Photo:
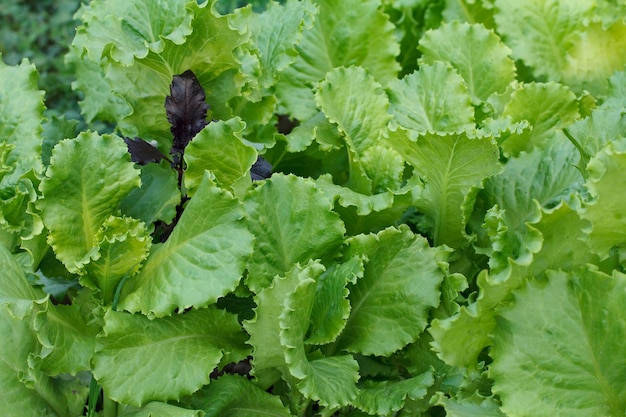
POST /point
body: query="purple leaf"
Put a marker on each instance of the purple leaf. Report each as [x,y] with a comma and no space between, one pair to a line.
[261,169]
[186,110]
[142,152]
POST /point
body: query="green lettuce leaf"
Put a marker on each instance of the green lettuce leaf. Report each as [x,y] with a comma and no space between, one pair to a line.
[557,349]
[159,409]
[369,43]
[547,107]
[157,197]
[292,222]
[219,148]
[202,260]
[476,52]
[236,396]
[400,285]
[27,391]
[435,98]
[385,398]
[330,380]
[87,179]
[124,243]
[604,211]
[138,360]
[16,292]
[450,165]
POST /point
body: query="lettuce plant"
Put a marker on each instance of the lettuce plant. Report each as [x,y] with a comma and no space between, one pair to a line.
[320,208]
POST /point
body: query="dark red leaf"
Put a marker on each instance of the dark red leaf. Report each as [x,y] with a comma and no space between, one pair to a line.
[142,152]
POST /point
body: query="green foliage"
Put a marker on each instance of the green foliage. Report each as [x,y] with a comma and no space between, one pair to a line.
[442,234]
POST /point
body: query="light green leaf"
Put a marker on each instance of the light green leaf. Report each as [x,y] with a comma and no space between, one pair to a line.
[67,337]
[546,106]
[474,406]
[390,304]
[21,117]
[352,99]
[541,178]
[202,260]
[159,409]
[387,397]
[435,98]
[157,197]
[550,31]
[476,52]
[292,222]
[557,351]
[15,291]
[264,328]
[236,396]
[219,148]
[25,391]
[87,179]
[139,360]
[346,197]
[450,165]
[124,31]
[124,243]
[605,210]
[331,307]
[275,34]
[345,33]
[330,380]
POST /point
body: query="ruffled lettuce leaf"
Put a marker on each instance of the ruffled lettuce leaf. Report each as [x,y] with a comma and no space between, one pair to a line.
[557,349]
[160,409]
[400,267]
[450,165]
[370,43]
[434,98]
[476,52]
[202,260]
[138,360]
[87,179]
[16,292]
[292,222]
[219,148]
[385,398]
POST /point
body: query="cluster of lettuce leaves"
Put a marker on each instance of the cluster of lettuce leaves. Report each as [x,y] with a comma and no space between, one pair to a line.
[444,232]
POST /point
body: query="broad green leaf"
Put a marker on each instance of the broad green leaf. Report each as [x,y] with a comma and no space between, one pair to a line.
[616,96]
[67,337]
[124,243]
[236,396]
[157,197]
[159,409]
[591,60]
[21,117]
[87,179]
[15,290]
[275,34]
[202,260]
[139,360]
[550,31]
[474,406]
[387,397]
[605,210]
[546,106]
[330,380]
[264,329]
[476,52]
[124,31]
[25,391]
[345,33]
[331,307]
[435,98]
[292,222]
[346,197]
[450,166]
[390,304]
[353,99]
[541,178]
[219,148]
[557,350]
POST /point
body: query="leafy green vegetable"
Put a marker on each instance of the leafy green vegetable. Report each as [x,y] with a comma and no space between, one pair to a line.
[317,208]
